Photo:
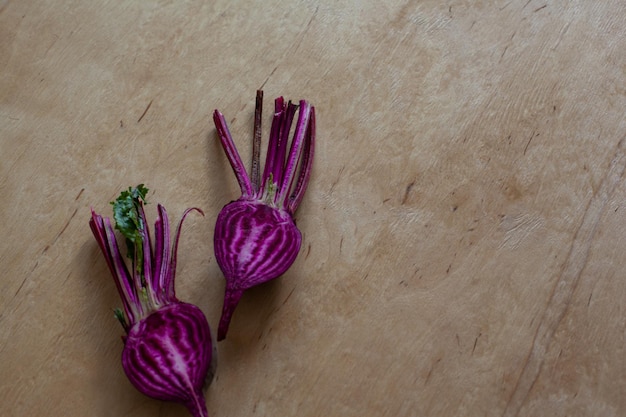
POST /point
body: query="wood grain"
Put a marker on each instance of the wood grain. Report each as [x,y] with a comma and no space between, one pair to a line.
[464,229]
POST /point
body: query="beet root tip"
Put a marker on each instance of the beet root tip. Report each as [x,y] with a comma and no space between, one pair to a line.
[231,299]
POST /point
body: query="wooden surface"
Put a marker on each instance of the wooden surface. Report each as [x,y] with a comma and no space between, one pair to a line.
[464,229]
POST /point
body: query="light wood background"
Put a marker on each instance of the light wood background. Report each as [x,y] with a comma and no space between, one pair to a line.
[464,229]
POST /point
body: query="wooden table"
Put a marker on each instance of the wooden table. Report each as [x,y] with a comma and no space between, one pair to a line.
[464,229]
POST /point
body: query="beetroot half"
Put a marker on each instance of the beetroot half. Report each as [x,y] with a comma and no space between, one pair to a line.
[256,238]
[168,350]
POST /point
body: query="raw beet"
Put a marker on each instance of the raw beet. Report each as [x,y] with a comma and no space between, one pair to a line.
[168,350]
[256,238]
[253,243]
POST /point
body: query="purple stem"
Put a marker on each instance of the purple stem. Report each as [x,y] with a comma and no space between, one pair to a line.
[232,154]
[103,232]
[168,283]
[272,146]
[295,152]
[283,140]
[147,279]
[162,255]
[136,308]
[306,165]
[255,174]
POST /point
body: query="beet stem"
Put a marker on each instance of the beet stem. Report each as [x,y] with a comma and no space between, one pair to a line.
[161,253]
[272,146]
[283,141]
[123,278]
[232,154]
[146,268]
[255,169]
[111,253]
[307,163]
[170,276]
[295,152]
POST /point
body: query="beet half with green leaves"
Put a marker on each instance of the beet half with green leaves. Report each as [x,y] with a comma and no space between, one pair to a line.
[168,350]
[256,238]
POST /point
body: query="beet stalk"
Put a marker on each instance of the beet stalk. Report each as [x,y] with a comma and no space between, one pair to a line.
[256,238]
[168,351]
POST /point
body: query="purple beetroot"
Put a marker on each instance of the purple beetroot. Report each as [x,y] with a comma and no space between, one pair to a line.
[168,349]
[256,238]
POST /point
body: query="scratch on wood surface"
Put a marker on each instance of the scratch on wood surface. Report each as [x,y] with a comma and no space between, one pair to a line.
[476,342]
[518,228]
[566,283]
[268,77]
[301,36]
[288,295]
[20,287]
[308,26]
[503,52]
[67,223]
[561,35]
[334,184]
[82,190]
[145,111]
[407,191]
[48,246]
[430,371]
[507,46]
[532,135]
